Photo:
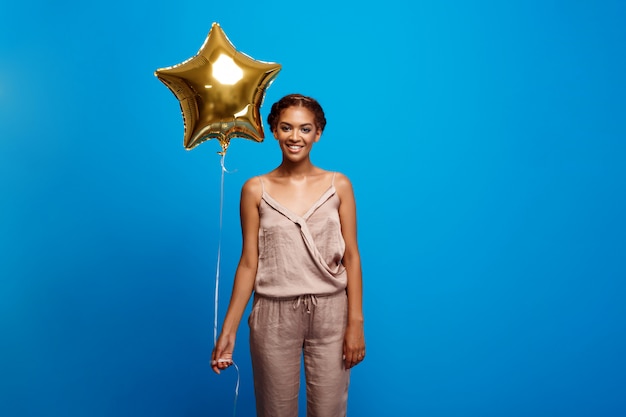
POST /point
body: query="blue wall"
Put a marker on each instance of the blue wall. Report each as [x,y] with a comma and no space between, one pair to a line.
[485,141]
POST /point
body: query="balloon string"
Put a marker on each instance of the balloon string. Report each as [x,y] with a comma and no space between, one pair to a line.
[217,274]
[219,253]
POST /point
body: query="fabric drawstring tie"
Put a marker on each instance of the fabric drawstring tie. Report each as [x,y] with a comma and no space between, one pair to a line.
[306,300]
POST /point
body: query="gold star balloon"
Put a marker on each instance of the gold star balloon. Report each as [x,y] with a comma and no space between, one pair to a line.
[220,91]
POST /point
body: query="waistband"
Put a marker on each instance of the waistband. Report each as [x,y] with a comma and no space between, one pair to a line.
[296,297]
[308,301]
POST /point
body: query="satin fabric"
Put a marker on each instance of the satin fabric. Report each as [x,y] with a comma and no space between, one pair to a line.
[282,332]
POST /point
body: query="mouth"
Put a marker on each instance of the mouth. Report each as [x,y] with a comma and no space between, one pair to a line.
[295,147]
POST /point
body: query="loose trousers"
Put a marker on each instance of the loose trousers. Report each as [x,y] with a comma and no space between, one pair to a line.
[282,331]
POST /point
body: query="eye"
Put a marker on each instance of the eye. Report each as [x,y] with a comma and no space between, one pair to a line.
[306,130]
[285,128]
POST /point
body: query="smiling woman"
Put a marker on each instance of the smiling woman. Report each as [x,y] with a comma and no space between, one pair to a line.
[301,259]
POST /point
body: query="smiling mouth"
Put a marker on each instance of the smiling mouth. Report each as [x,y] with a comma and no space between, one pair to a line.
[295,147]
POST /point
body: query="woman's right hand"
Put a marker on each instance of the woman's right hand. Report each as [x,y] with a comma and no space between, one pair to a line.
[222,356]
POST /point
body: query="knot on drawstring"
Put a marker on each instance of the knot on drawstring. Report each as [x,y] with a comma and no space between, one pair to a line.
[306,300]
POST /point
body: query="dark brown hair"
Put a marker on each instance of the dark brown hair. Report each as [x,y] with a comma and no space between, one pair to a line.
[296,100]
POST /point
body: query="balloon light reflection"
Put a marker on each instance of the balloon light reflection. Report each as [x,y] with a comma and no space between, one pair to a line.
[226,71]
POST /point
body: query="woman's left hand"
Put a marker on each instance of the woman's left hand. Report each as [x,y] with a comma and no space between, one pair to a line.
[353,345]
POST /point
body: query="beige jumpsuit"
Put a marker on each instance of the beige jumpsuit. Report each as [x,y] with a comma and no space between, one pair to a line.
[300,307]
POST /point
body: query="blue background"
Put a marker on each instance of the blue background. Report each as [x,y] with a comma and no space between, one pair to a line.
[485,142]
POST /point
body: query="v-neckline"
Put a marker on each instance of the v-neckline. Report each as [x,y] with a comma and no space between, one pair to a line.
[320,200]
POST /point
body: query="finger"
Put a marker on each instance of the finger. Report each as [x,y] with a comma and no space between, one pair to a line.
[222,359]
[354,359]
[350,361]
[214,362]
[221,364]
[224,363]
[215,356]
[217,363]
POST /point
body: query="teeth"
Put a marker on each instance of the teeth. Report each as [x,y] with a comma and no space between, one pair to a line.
[294,147]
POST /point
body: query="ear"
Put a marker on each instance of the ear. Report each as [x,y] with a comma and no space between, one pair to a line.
[318,134]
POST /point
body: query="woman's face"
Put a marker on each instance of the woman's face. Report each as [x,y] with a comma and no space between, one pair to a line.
[296,132]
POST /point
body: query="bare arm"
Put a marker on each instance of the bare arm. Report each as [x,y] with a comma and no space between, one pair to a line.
[354,340]
[244,276]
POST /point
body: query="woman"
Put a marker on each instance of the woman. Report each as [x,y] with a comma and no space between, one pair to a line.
[300,257]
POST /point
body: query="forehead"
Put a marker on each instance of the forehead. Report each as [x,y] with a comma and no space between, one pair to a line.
[296,115]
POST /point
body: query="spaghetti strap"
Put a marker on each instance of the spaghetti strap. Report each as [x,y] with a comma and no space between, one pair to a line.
[333,181]
[262,184]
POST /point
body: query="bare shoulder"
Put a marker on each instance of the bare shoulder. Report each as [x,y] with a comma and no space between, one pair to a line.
[252,188]
[343,185]
[341,180]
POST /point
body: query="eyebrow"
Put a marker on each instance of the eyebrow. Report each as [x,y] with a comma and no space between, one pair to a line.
[289,124]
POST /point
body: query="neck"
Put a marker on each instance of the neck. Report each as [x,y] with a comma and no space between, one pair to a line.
[299,170]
